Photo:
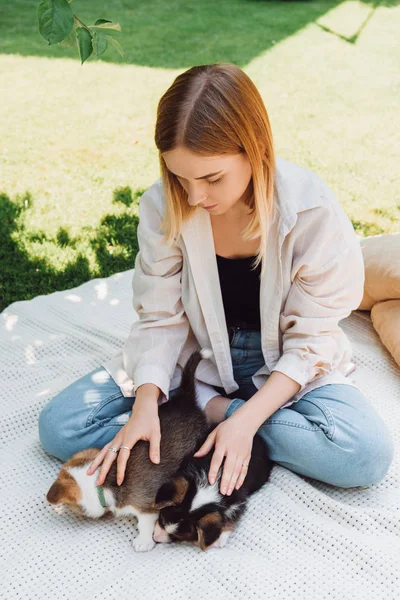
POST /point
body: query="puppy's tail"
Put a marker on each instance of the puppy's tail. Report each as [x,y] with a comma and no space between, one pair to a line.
[186,397]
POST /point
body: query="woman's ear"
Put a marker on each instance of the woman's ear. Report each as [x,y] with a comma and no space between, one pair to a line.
[172,492]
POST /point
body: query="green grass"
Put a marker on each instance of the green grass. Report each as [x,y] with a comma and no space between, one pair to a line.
[76,142]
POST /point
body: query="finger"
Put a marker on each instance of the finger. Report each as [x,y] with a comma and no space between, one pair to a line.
[105,467]
[98,459]
[229,466]
[122,459]
[242,477]
[216,461]
[155,447]
[207,445]
[235,475]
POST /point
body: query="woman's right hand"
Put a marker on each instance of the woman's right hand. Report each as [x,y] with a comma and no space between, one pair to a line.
[144,424]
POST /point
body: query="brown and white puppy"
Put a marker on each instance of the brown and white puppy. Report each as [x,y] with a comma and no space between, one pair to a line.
[194,512]
[184,428]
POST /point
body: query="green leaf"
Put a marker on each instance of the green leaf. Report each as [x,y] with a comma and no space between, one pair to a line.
[116,44]
[106,25]
[55,20]
[70,41]
[99,21]
[99,43]
[85,43]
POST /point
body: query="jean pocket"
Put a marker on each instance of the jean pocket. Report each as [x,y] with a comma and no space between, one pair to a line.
[317,413]
[246,365]
[238,356]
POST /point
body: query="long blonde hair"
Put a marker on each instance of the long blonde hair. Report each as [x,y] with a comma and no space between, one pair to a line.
[213,110]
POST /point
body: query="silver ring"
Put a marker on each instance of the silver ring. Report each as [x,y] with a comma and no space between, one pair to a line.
[116,450]
[127,447]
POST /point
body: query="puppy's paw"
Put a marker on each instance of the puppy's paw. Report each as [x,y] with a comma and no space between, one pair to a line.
[221,541]
[142,544]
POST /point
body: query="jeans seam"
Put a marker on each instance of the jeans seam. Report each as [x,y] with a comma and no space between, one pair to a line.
[327,414]
[98,407]
[281,422]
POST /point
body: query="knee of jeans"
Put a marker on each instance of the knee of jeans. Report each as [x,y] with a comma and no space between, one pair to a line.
[381,458]
[372,456]
[52,436]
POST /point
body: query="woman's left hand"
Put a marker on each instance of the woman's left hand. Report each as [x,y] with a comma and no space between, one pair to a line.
[233,440]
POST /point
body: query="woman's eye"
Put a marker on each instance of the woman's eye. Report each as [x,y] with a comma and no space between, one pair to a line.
[215,181]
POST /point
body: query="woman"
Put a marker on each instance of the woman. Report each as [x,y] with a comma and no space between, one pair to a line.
[253,257]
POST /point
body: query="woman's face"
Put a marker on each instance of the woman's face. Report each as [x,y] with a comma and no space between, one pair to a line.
[221,180]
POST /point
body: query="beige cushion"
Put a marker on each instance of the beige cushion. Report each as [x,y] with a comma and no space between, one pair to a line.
[385,317]
[381,255]
[382,268]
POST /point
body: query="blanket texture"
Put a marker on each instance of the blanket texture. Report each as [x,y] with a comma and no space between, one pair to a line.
[300,538]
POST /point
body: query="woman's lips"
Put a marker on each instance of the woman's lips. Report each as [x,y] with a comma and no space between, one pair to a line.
[210,207]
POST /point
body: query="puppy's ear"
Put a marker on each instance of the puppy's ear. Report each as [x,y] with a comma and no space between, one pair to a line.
[209,528]
[64,490]
[56,493]
[172,492]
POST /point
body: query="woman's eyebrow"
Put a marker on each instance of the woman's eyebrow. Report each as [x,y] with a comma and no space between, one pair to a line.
[204,176]
[209,175]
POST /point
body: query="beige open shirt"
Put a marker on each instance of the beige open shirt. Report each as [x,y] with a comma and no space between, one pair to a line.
[314,278]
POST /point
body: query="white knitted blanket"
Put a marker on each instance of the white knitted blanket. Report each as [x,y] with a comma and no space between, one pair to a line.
[300,539]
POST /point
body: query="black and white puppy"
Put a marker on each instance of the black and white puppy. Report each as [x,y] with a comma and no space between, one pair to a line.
[193,511]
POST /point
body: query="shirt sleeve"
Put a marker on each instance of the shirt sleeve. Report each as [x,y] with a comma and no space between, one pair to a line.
[328,283]
[204,393]
[155,341]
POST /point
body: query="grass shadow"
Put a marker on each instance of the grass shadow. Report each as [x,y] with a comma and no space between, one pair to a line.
[113,246]
[176,34]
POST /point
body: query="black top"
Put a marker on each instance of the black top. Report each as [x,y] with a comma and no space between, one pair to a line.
[240,288]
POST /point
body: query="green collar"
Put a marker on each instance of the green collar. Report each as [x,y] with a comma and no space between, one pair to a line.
[100,493]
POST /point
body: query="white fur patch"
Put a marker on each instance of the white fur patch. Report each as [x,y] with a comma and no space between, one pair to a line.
[92,507]
[231,510]
[171,528]
[125,511]
[89,502]
[206,493]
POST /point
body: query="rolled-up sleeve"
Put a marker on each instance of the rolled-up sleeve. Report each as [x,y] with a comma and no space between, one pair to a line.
[155,341]
[328,284]
[204,393]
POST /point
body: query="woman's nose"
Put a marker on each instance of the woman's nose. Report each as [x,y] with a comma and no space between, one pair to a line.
[195,199]
[196,195]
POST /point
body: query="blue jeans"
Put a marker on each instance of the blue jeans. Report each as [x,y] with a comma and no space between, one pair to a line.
[332,434]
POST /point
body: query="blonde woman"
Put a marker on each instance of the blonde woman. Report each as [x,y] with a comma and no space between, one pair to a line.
[249,255]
